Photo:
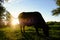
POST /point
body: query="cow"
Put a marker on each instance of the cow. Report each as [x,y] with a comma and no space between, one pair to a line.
[35,19]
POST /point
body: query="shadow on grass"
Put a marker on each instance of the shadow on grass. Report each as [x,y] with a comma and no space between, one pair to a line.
[32,36]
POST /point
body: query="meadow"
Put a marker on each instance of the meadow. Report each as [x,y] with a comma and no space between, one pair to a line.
[14,33]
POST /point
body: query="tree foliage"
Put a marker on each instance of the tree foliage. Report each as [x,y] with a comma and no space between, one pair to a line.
[1,1]
[2,10]
[4,14]
[8,16]
[57,10]
[58,2]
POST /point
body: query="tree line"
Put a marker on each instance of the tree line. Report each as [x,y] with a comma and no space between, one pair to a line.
[53,23]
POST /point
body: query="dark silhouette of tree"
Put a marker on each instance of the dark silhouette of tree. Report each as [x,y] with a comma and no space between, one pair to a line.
[57,10]
[58,2]
[8,18]
[2,10]
[5,16]
[2,1]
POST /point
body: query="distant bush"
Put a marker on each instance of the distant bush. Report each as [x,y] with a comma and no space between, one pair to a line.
[53,23]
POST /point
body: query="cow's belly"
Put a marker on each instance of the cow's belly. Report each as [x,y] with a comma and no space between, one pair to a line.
[27,22]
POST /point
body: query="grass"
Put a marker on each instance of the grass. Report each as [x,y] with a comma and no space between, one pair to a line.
[10,33]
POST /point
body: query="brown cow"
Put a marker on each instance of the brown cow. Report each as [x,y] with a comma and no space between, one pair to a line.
[35,19]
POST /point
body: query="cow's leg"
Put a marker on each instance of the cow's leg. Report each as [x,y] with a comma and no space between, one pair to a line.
[23,28]
[46,30]
[36,28]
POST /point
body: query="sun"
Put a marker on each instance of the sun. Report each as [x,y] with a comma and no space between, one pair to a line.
[15,21]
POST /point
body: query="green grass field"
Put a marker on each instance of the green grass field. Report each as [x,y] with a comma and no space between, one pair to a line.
[11,33]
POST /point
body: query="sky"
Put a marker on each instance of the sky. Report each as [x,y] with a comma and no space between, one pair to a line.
[15,7]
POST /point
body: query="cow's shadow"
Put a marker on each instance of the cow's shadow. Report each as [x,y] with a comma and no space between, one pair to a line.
[33,36]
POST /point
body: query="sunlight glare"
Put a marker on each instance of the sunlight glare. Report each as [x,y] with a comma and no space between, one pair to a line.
[15,21]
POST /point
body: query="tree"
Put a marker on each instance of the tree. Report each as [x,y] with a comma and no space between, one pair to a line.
[2,10]
[58,2]
[2,1]
[57,10]
[4,14]
[8,18]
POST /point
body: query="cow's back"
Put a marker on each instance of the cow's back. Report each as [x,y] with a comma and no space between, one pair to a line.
[31,18]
